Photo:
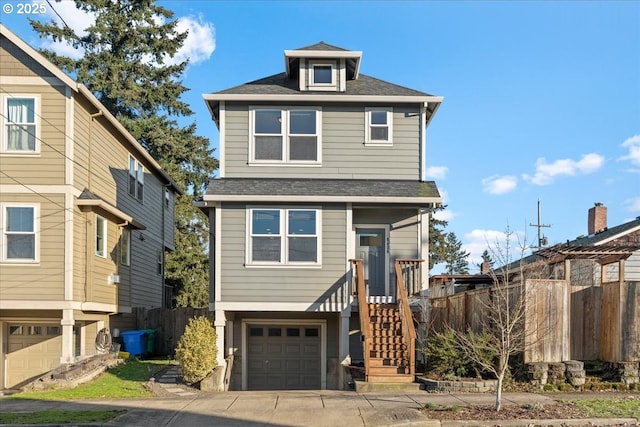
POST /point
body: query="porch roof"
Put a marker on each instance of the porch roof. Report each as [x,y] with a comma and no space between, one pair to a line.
[374,191]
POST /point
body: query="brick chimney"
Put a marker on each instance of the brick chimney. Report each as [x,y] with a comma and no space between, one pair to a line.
[597,218]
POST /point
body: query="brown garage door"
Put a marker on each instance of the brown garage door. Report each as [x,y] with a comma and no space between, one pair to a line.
[33,349]
[283,357]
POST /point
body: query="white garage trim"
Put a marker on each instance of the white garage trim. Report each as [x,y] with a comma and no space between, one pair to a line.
[322,324]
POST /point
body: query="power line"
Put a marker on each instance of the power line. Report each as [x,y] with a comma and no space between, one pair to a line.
[58,15]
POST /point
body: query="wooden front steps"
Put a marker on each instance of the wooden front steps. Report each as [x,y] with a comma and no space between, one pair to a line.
[388,355]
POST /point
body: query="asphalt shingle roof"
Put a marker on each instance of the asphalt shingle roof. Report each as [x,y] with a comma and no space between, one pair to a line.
[594,239]
[323,46]
[327,188]
[281,84]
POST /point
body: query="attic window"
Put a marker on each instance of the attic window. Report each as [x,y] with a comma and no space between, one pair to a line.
[323,75]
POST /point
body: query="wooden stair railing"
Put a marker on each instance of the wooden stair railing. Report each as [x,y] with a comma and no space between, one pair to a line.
[360,290]
[388,331]
[404,267]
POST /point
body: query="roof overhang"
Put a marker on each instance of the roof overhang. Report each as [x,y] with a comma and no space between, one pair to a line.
[602,254]
[100,205]
[413,201]
[354,56]
[431,103]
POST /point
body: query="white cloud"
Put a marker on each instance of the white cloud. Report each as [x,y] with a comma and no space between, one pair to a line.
[547,172]
[198,46]
[200,42]
[437,172]
[497,184]
[478,240]
[78,20]
[633,145]
[633,204]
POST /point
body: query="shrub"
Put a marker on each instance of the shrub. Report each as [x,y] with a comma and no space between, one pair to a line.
[443,356]
[196,351]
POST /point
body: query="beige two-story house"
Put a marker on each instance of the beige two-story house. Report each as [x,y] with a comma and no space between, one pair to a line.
[86,216]
[319,223]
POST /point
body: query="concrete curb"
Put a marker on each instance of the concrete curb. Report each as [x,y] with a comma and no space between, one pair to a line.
[579,422]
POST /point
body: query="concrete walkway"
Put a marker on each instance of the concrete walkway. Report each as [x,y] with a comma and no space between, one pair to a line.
[180,406]
[303,409]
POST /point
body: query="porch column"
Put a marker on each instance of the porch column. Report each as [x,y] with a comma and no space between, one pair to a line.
[423,246]
[67,323]
[343,347]
[220,322]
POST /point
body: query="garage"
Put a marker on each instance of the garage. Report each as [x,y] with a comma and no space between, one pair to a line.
[284,357]
[32,349]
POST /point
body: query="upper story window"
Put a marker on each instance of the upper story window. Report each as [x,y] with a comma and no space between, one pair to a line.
[167,198]
[379,126]
[101,237]
[323,75]
[20,233]
[20,133]
[125,247]
[285,135]
[136,178]
[284,237]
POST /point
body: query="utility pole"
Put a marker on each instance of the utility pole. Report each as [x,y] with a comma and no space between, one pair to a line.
[542,240]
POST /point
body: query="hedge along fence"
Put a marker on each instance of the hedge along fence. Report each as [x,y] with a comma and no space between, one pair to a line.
[169,323]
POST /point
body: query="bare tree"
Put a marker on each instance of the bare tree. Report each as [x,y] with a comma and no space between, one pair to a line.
[504,332]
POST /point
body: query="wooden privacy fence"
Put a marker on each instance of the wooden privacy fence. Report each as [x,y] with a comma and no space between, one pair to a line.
[169,324]
[563,322]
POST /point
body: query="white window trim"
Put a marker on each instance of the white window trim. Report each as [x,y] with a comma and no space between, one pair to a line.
[4,116]
[323,86]
[284,131]
[139,175]
[104,237]
[36,232]
[125,235]
[368,125]
[284,238]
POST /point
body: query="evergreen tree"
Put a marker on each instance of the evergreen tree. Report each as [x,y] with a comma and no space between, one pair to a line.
[125,64]
[455,258]
[437,239]
[486,257]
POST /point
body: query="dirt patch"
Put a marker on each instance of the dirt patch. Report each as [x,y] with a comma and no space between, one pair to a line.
[556,410]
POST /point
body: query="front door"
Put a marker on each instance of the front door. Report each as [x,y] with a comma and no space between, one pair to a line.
[371,248]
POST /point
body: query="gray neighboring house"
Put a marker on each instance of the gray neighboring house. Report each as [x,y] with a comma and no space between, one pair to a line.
[319,165]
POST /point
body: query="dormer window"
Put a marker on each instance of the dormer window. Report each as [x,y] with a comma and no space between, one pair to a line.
[323,75]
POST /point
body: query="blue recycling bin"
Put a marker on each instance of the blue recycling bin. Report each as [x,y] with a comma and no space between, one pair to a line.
[135,342]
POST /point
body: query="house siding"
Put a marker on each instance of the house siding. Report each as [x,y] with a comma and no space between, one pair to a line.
[309,285]
[49,162]
[44,280]
[632,268]
[14,62]
[344,153]
[403,239]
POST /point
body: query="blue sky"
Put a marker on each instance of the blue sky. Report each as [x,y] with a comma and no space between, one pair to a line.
[541,99]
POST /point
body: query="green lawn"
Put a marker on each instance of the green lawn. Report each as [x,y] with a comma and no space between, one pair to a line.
[125,380]
[63,417]
[615,407]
